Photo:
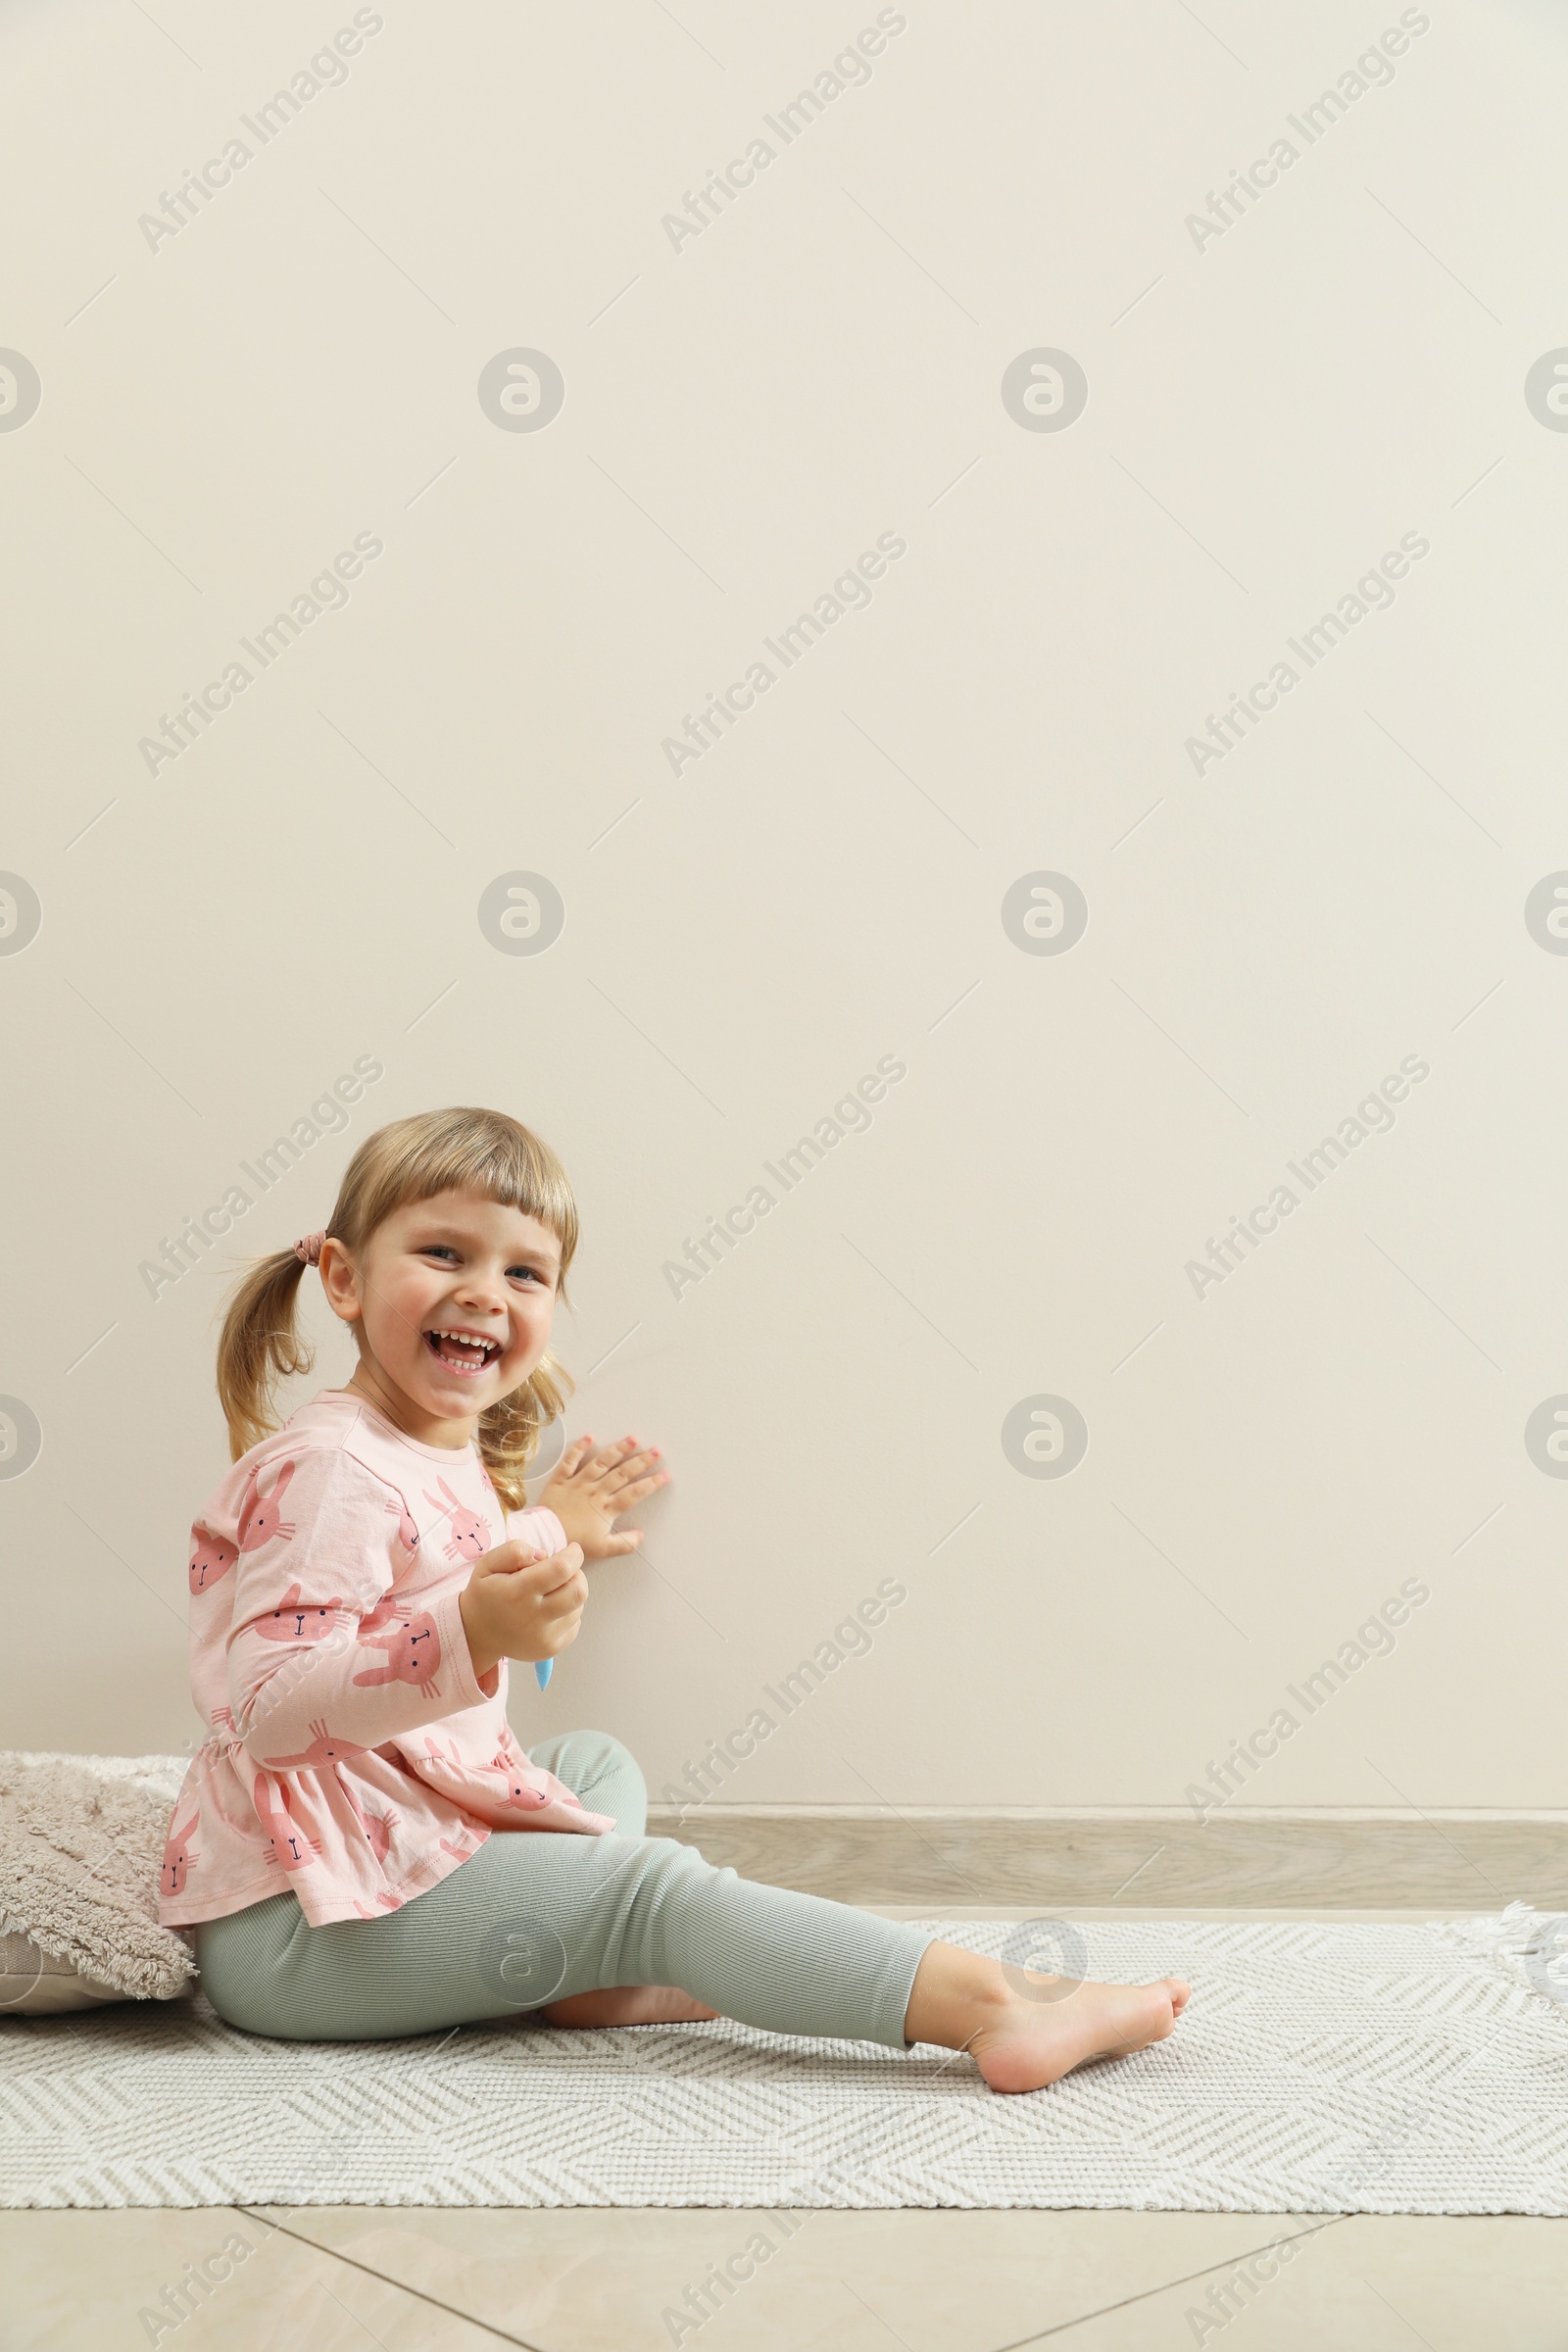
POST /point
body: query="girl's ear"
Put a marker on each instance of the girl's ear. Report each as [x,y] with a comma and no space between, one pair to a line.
[338,1280]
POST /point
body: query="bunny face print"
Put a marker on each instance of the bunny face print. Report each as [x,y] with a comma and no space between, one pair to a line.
[211,1558]
[467,1533]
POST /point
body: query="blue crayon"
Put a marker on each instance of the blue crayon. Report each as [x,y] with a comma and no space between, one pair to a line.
[543,1668]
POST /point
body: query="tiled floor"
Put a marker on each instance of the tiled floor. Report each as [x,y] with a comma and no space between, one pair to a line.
[341,2279]
[344,2278]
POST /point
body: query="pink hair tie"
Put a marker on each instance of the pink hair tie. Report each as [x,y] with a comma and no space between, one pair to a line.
[308,1249]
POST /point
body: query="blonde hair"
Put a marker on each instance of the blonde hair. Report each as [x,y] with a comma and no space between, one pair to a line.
[410,1159]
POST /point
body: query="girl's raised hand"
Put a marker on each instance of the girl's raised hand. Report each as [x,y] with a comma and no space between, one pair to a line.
[589,1491]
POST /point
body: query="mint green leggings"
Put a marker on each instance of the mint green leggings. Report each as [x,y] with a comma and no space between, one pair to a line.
[535,1916]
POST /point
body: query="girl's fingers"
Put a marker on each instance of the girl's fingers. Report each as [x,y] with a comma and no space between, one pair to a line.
[509,1559]
[568,1570]
[608,1468]
[614,1455]
[628,1472]
[631,1464]
[562,1603]
[644,1487]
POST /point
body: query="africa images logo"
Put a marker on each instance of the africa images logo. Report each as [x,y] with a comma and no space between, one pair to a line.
[521,390]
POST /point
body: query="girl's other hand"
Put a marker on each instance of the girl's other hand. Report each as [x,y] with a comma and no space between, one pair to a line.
[588,1491]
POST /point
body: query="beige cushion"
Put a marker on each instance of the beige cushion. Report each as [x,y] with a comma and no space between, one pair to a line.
[82,1845]
[33,1983]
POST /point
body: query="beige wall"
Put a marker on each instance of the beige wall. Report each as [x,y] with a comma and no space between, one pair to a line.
[1270,411]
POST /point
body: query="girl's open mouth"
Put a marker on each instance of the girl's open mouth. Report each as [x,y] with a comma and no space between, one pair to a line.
[459,1353]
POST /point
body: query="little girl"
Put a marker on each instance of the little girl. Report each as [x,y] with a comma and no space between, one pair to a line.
[361,1846]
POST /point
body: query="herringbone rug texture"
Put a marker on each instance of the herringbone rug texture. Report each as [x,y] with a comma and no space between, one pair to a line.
[1321,2068]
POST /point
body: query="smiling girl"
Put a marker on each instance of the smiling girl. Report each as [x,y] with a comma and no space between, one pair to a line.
[361,1846]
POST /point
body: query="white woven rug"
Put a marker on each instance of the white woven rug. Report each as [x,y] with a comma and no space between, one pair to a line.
[1320,2068]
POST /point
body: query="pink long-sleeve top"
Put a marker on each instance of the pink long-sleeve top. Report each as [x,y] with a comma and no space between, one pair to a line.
[355,1757]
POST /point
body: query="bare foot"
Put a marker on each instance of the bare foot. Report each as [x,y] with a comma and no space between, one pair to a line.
[1033,2043]
[629,2005]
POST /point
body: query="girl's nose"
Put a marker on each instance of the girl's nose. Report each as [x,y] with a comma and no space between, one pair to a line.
[481,1298]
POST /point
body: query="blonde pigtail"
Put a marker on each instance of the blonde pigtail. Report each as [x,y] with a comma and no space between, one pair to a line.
[259,1345]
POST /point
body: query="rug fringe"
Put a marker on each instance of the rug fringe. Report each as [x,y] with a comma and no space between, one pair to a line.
[1530,1945]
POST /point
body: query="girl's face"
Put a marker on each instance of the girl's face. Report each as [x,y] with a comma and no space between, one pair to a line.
[454,1299]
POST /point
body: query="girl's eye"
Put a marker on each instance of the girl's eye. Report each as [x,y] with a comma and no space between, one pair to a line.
[445,1250]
